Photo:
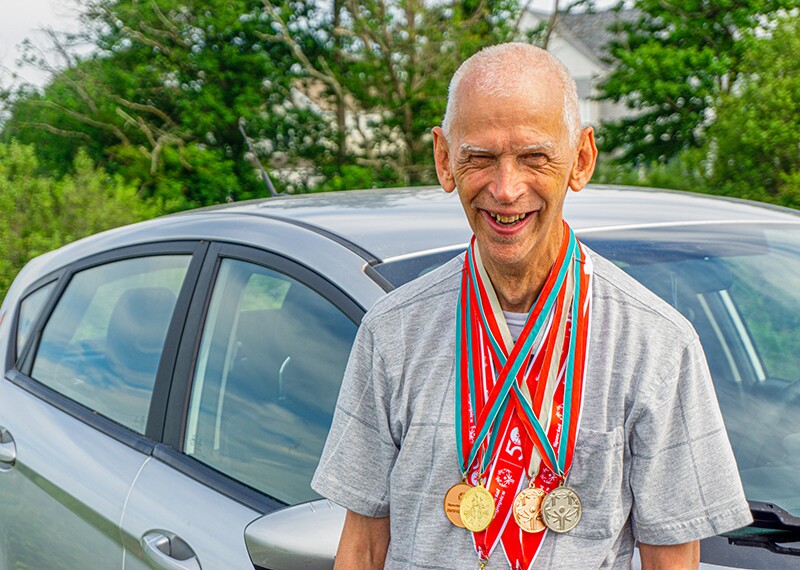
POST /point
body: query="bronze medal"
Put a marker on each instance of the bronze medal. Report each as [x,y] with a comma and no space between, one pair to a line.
[477,509]
[528,509]
[561,509]
[452,503]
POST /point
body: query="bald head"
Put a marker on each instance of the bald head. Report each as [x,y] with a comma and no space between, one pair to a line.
[510,68]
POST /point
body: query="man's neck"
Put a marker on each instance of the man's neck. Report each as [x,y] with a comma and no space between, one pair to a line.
[517,292]
[517,286]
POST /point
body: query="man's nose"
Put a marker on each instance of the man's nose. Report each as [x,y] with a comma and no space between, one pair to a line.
[509,182]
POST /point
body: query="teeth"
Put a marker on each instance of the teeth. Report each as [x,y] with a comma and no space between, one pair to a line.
[508,219]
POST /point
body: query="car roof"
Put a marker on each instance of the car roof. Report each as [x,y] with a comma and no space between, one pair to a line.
[381,225]
[389,223]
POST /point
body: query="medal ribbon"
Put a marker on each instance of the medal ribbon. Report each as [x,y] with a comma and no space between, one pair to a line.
[490,408]
[501,390]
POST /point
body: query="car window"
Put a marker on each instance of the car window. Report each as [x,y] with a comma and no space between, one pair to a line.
[269,367]
[28,312]
[764,291]
[102,343]
[401,270]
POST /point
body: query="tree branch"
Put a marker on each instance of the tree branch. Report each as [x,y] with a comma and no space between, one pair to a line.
[551,25]
[326,75]
[85,119]
[145,109]
[56,131]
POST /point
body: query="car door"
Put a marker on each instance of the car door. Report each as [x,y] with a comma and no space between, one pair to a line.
[252,398]
[77,409]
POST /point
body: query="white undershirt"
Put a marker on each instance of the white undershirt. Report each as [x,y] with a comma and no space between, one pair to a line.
[515,322]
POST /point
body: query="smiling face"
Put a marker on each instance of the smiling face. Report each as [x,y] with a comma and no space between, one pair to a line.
[512,162]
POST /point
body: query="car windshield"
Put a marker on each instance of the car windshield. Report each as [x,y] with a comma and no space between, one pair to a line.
[739,285]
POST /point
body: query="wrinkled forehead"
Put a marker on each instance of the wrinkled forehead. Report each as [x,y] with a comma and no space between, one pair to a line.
[528,99]
[509,76]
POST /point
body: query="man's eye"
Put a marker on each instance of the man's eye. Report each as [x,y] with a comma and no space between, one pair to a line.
[481,158]
[535,158]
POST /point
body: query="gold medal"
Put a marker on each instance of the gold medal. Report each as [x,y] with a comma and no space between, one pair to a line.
[528,509]
[477,508]
[452,503]
[561,509]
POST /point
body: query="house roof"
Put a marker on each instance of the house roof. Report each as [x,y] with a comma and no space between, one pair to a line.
[589,31]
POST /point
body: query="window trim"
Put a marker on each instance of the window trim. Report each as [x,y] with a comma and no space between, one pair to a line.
[216,480]
[20,374]
[14,353]
[80,412]
[173,435]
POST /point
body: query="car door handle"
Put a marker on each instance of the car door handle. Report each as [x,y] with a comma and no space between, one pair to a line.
[8,449]
[169,551]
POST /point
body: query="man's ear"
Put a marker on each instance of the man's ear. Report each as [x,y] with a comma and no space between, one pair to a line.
[583,167]
[441,155]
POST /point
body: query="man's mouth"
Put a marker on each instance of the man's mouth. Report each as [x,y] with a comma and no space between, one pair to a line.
[507,220]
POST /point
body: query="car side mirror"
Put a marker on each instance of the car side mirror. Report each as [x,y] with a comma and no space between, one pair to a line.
[304,536]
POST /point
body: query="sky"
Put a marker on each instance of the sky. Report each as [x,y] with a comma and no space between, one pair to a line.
[21,19]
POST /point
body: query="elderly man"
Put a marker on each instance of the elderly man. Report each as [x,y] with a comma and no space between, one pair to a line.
[526,405]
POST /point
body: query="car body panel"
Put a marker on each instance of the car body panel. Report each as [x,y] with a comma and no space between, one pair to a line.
[416,219]
[331,260]
[405,220]
[211,524]
[67,490]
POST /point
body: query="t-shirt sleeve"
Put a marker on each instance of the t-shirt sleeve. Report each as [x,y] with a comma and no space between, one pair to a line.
[360,450]
[684,478]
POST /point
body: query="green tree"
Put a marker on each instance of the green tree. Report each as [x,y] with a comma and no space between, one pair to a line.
[161,98]
[43,212]
[334,94]
[672,66]
[755,140]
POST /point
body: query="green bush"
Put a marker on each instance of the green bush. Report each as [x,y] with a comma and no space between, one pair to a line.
[41,212]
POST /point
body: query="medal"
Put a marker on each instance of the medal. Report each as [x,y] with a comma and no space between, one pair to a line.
[477,509]
[528,509]
[561,509]
[452,502]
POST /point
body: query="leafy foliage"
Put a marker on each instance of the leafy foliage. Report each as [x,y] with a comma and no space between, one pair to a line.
[672,67]
[43,212]
[381,68]
[161,98]
[752,149]
[335,94]
[686,171]
[755,141]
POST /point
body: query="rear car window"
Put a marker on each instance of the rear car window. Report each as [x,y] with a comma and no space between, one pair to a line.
[401,270]
[29,310]
[102,344]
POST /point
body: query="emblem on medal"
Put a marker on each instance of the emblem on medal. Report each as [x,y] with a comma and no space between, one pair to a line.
[528,509]
[452,502]
[561,509]
[477,509]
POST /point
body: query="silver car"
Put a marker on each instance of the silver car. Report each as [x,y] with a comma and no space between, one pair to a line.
[169,385]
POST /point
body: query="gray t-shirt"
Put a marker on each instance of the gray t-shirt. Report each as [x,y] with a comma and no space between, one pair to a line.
[652,460]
